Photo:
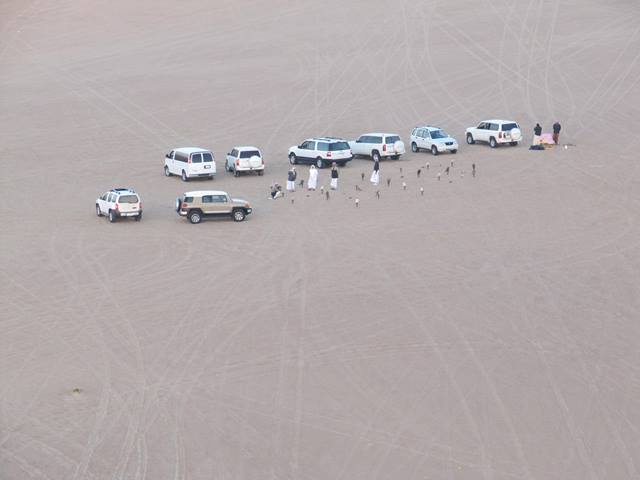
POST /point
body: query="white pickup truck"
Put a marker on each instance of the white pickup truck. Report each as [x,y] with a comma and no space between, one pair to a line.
[378,145]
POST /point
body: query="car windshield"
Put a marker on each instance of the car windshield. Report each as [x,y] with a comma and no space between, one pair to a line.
[207,157]
[338,146]
[392,139]
[128,199]
[506,127]
[249,153]
[438,134]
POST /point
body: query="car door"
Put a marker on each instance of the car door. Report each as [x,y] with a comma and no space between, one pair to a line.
[222,204]
[308,150]
[425,139]
[480,132]
[207,205]
[232,156]
[178,163]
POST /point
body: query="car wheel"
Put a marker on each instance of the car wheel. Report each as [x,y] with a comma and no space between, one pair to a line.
[470,139]
[434,150]
[167,173]
[395,157]
[184,176]
[112,216]
[195,216]
[513,144]
[260,173]
[236,173]
[375,156]
[319,162]
[210,177]
[138,218]
[493,143]
[238,215]
[292,159]
[98,212]
[454,151]
[343,164]
[414,147]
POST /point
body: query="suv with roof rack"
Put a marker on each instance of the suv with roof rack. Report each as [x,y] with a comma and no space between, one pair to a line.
[378,145]
[321,151]
[432,138]
[211,203]
[119,202]
[495,132]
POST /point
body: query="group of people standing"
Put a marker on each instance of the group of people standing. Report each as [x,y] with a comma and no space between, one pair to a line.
[312,181]
[537,133]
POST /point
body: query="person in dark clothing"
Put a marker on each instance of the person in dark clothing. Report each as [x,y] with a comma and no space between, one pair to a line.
[334,176]
[291,179]
[537,132]
[556,132]
[375,175]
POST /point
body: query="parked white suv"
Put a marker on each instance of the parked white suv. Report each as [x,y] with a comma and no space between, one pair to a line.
[378,145]
[495,132]
[321,151]
[190,162]
[119,202]
[244,159]
[433,139]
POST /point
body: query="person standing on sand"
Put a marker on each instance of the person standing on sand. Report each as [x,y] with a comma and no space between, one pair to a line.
[291,180]
[334,176]
[537,132]
[375,175]
[556,132]
[312,183]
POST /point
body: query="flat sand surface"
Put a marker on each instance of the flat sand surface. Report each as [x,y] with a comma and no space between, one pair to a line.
[488,329]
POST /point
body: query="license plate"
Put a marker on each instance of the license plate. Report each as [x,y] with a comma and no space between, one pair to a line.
[207,166]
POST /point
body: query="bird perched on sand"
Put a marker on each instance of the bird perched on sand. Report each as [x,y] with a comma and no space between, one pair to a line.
[446,170]
[404,185]
[321,189]
[358,189]
[439,174]
[388,182]
[362,176]
[428,165]
[293,200]
[421,191]
[378,194]
[473,169]
[357,202]
[451,163]
[418,173]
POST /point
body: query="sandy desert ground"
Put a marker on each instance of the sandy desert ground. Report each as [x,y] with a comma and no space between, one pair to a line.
[489,329]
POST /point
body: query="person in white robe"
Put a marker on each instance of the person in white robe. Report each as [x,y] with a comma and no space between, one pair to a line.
[312,183]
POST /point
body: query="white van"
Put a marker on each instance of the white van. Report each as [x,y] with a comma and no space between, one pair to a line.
[190,162]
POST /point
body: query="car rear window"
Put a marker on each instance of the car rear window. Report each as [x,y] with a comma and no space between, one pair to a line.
[249,154]
[207,157]
[196,158]
[508,126]
[338,146]
[393,139]
[128,199]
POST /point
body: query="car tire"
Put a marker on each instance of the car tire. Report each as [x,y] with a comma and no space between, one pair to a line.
[260,173]
[319,162]
[112,216]
[195,216]
[236,173]
[375,156]
[414,147]
[395,157]
[184,176]
[342,164]
[434,150]
[292,159]
[167,173]
[513,144]
[492,142]
[98,212]
[470,139]
[210,177]
[138,218]
[454,151]
[238,215]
